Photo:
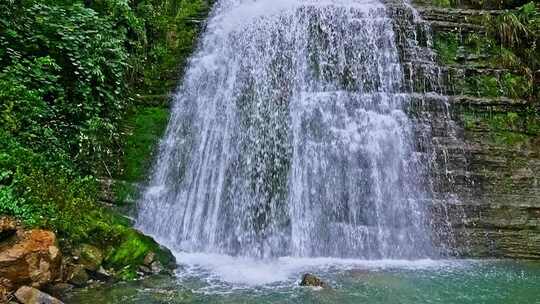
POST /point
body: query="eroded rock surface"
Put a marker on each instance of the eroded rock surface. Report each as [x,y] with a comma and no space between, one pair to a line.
[32,259]
[30,295]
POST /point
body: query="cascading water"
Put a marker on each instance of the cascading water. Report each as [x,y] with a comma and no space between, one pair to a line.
[289,137]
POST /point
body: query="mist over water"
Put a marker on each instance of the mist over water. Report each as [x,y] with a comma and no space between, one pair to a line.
[289,137]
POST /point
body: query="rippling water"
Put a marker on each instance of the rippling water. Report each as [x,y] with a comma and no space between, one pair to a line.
[222,279]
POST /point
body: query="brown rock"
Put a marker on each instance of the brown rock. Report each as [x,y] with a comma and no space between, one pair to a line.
[78,275]
[90,256]
[59,289]
[8,227]
[34,259]
[5,290]
[29,295]
[149,258]
[311,280]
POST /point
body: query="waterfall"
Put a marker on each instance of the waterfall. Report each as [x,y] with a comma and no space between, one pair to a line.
[290,137]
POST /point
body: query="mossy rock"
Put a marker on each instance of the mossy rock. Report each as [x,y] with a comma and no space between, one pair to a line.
[127,273]
[134,247]
[91,257]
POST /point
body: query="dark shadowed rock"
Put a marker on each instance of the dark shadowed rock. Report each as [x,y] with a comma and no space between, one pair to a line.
[59,289]
[5,290]
[78,275]
[8,228]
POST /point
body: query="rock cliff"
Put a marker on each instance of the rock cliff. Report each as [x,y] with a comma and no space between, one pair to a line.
[485,134]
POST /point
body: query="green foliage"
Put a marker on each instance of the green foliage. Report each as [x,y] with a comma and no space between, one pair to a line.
[493,4]
[515,86]
[67,71]
[519,31]
[61,79]
[483,86]
[443,3]
[12,205]
[146,125]
[508,84]
[172,28]
[508,128]
[446,45]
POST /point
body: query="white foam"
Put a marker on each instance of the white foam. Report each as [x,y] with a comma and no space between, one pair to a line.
[255,272]
[236,13]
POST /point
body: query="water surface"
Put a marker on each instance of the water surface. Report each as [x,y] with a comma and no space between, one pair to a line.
[230,280]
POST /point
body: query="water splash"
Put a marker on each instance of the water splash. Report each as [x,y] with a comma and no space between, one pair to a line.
[289,137]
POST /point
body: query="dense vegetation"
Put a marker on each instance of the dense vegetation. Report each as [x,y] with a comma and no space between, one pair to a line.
[71,72]
[511,42]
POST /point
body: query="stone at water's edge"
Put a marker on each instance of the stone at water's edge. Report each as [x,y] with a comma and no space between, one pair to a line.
[29,295]
[91,257]
[78,275]
[311,280]
[33,259]
[137,249]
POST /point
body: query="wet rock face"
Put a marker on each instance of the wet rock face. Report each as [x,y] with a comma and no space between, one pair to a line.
[313,281]
[487,176]
[33,258]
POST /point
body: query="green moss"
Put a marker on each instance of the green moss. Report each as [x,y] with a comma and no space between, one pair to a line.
[510,129]
[157,66]
[446,45]
[508,85]
[516,86]
[125,193]
[469,121]
[128,273]
[146,126]
[482,85]
[443,3]
[133,248]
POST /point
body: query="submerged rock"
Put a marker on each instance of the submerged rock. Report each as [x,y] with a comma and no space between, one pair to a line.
[30,295]
[311,280]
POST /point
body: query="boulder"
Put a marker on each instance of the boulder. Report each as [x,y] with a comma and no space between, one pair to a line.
[78,276]
[59,289]
[137,249]
[157,268]
[149,258]
[311,280]
[5,290]
[8,227]
[91,257]
[33,259]
[30,295]
[102,274]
